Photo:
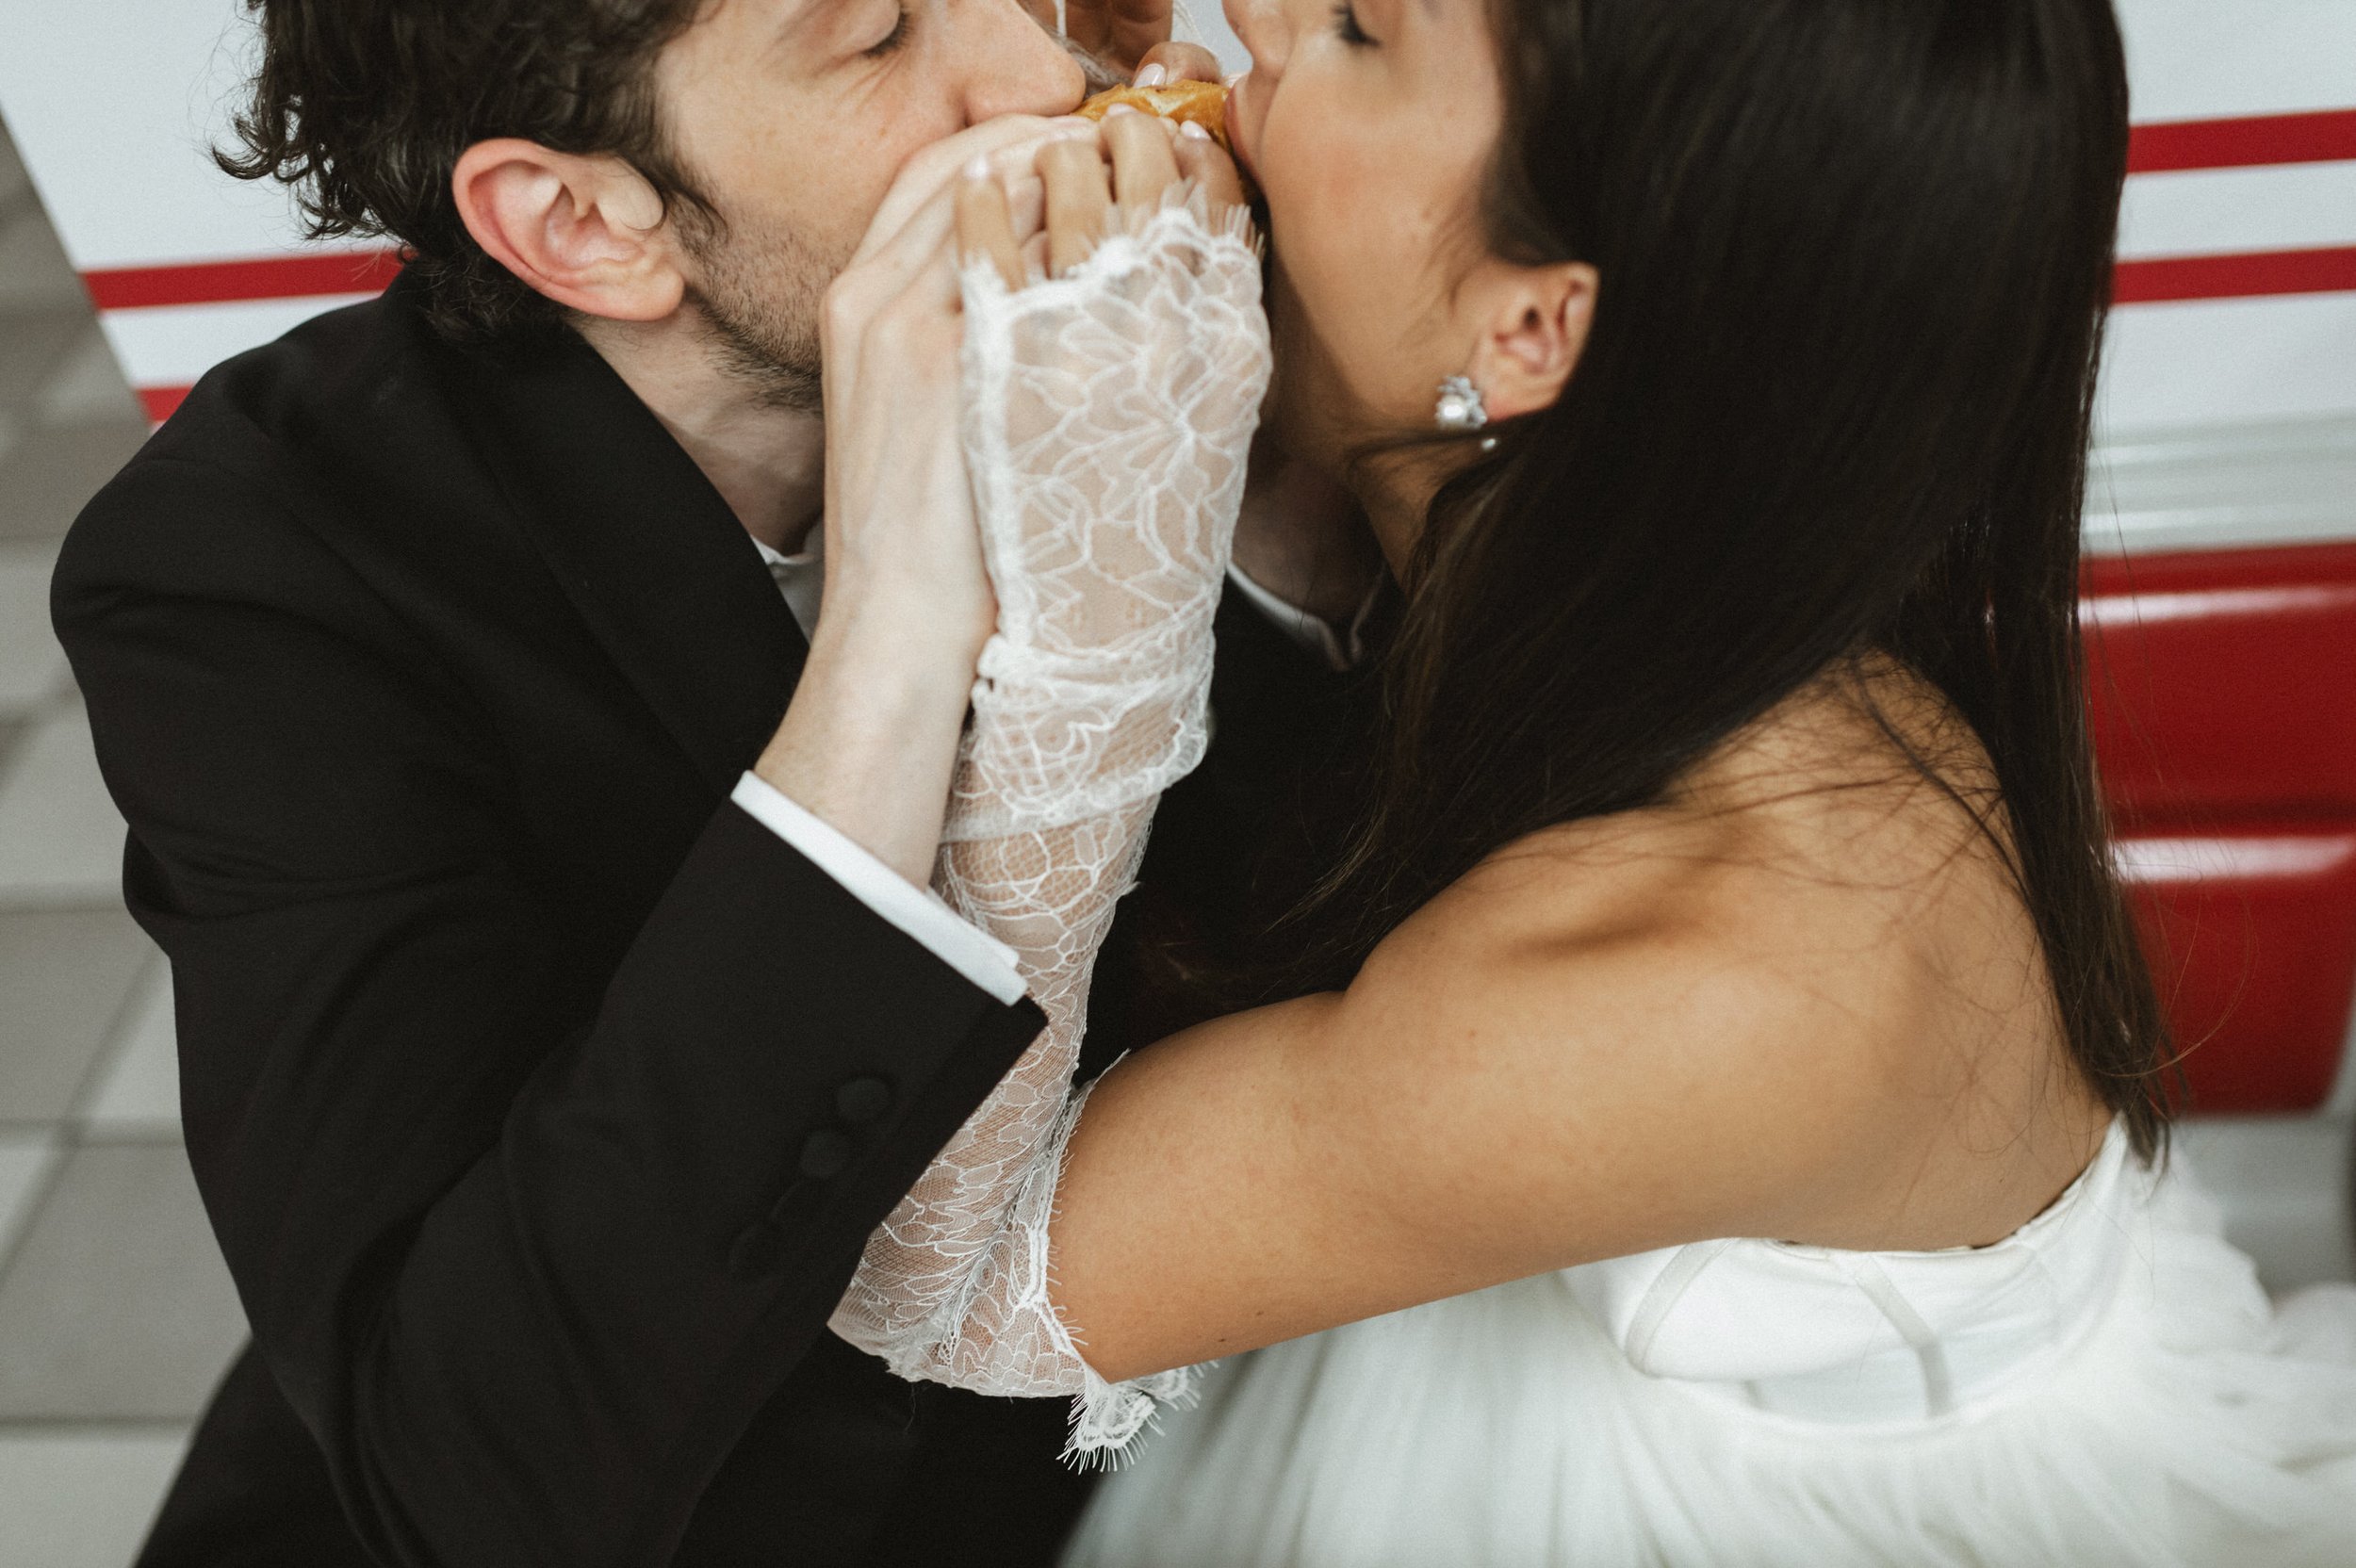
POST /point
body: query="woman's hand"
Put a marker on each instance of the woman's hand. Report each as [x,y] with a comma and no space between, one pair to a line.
[1115,358]
[1109,415]
[1133,160]
[871,738]
[1103,398]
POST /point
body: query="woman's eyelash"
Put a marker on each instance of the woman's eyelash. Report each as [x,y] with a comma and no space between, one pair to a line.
[892,40]
[1346,25]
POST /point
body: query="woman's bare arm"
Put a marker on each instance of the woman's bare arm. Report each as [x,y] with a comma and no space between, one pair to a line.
[1543,1068]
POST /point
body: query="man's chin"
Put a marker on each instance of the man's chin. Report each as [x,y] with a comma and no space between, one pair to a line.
[776,365]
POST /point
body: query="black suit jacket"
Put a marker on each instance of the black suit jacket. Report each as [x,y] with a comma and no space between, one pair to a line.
[518,1064]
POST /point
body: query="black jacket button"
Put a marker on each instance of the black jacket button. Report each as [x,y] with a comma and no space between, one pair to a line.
[756,1252]
[799,1202]
[826,1152]
[862,1100]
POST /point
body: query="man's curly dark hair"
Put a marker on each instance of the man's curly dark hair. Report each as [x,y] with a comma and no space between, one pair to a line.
[364,107]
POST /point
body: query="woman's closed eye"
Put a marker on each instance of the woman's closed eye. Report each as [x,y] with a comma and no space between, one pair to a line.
[1348,27]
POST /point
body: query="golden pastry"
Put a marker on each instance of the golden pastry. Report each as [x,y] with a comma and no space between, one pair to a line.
[1202,102]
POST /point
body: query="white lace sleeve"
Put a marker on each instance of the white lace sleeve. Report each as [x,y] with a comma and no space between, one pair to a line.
[1108,417]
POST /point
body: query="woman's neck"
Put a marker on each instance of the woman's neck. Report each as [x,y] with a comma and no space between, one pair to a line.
[1397,491]
[1862,740]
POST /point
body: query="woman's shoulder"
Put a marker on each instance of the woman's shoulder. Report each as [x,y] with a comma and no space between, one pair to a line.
[1705,931]
[1823,997]
[1806,912]
[1808,853]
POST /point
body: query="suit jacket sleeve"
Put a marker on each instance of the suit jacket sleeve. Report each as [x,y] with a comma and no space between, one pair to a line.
[525,1282]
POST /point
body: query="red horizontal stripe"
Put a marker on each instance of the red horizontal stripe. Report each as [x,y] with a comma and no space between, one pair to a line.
[2147,281]
[2155,148]
[2235,277]
[162,400]
[214,282]
[2319,137]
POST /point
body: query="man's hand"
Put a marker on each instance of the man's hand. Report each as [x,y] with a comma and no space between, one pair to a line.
[872,734]
[1128,36]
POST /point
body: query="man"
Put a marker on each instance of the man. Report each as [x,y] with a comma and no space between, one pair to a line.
[545,1069]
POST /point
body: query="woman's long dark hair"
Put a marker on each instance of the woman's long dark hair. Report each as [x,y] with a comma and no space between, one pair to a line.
[1854,258]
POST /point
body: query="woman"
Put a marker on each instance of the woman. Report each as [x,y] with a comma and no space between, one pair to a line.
[1735,867]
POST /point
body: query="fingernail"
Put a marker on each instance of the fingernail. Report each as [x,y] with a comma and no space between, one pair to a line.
[1192,131]
[1153,75]
[1229,81]
[1120,108]
[978,169]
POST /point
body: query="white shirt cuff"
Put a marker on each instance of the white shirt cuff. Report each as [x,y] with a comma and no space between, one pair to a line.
[981,957]
[1336,648]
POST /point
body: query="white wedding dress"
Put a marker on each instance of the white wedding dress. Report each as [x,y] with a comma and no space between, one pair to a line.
[2106,1386]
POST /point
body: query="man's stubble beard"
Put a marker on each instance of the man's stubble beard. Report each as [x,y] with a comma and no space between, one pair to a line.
[760,294]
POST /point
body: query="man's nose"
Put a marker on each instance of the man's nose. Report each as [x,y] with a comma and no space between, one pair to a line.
[1012,66]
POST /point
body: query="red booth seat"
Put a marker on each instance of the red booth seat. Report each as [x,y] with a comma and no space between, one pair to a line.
[2224,703]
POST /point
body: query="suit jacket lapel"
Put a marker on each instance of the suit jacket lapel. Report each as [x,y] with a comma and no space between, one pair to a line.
[654,560]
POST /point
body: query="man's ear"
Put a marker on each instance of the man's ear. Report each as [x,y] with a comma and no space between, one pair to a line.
[1536,329]
[587,231]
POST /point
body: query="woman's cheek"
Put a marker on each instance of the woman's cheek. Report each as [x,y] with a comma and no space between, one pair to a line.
[1352,290]
[1347,235]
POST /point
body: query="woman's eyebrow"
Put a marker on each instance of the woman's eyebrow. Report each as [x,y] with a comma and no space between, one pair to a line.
[1388,11]
[795,20]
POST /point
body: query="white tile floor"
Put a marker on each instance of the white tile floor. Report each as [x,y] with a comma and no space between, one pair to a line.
[26,1161]
[78,1499]
[32,666]
[116,1316]
[136,1092]
[60,838]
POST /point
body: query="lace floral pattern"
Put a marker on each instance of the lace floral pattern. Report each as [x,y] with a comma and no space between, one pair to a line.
[1110,415]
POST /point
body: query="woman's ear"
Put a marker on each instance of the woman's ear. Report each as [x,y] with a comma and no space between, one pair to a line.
[589,232]
[1535,331]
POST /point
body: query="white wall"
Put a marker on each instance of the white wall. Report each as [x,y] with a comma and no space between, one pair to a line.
[1205,22]
[2195,363]
[114,104]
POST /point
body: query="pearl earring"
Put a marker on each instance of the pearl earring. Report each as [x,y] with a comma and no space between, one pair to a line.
[1460,407]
